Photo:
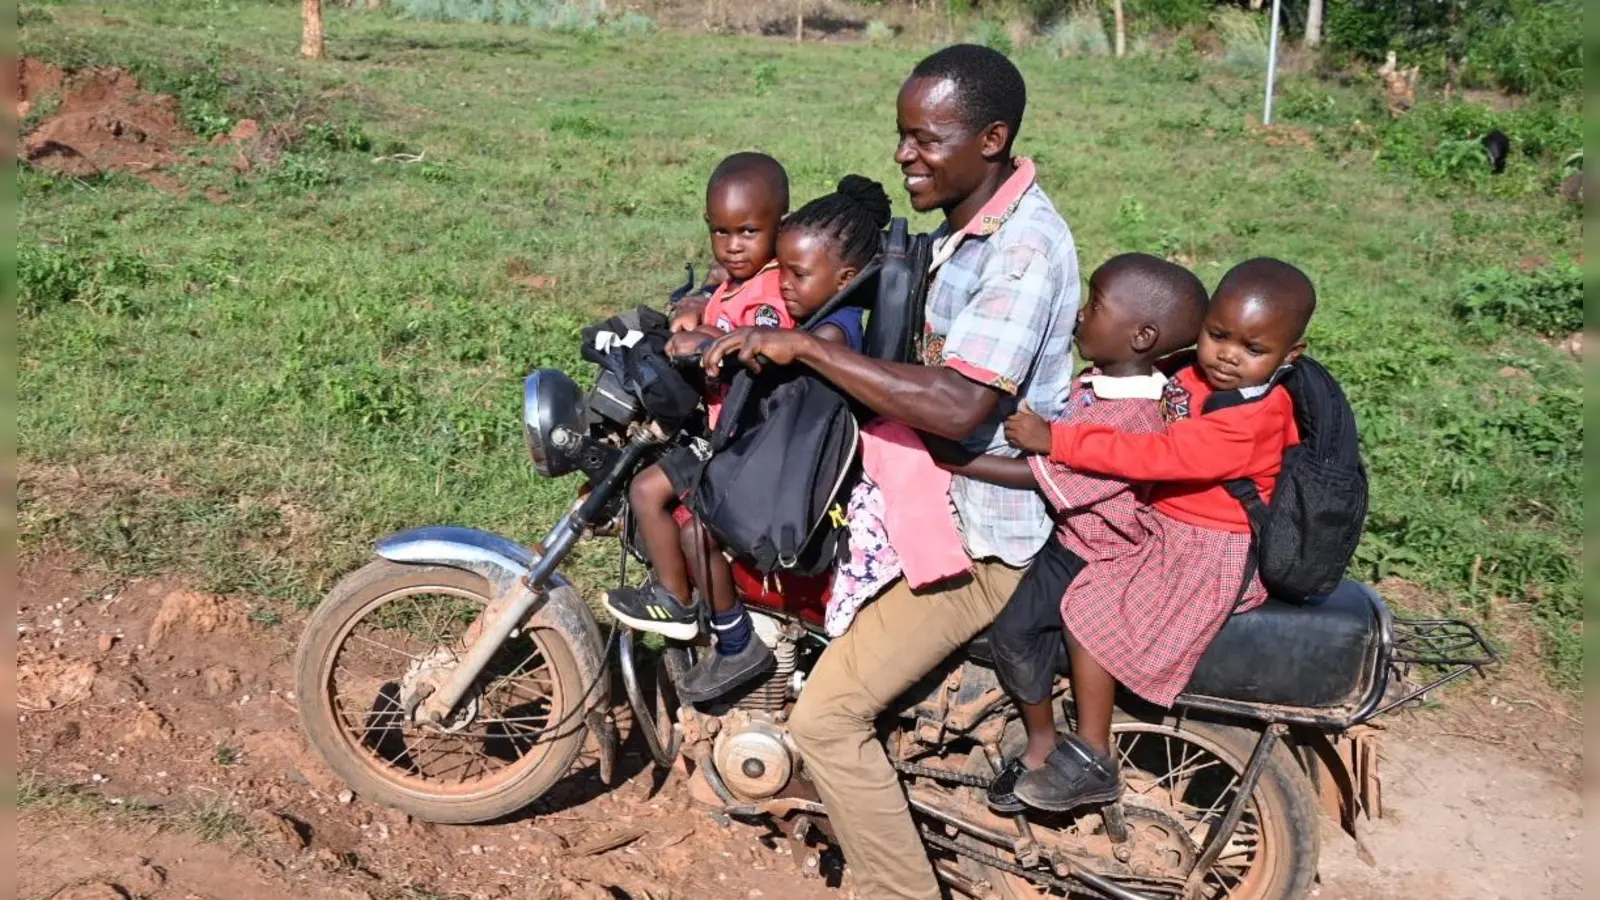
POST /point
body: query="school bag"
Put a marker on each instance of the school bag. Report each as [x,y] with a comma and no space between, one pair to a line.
[635,373]
[782,453]
[1304,538]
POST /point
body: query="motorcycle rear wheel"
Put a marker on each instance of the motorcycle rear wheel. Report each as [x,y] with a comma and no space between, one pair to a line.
[401,620]
[1273,853]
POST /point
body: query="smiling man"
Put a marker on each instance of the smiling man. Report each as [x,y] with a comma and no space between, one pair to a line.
[999,318]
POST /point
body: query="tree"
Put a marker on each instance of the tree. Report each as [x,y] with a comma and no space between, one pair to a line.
[1313,23]
[1121,26]
[311,30]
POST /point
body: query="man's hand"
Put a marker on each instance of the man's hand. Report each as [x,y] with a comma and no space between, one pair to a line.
[754,347]
[687,316]
[1027,431]
[687,343]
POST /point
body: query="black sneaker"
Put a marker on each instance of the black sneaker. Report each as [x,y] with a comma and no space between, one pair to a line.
[1073,776]
[716,674]
[1002,796]
[653,608]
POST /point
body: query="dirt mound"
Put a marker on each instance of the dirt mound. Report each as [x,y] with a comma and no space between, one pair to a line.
[47,681]
[197,612]
[105,123]
[35,78]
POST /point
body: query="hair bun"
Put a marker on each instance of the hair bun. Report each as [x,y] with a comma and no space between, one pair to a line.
[867,194]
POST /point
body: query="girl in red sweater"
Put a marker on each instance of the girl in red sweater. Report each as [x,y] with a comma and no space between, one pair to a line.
[1228,419]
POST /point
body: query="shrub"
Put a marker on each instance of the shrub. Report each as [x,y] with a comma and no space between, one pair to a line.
[994,35]
[566,16]
[1547,300]
[879,32]
[1081,33]
[1244,40]
[49,276]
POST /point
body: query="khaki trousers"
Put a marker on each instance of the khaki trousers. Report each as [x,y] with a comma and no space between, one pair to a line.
[893,642]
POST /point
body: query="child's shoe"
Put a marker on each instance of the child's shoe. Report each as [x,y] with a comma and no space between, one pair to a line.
[653,608]
[1073,776]
[717,673]
[1002,794]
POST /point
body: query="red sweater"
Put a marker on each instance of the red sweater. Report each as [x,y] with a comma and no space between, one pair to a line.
[1189,462]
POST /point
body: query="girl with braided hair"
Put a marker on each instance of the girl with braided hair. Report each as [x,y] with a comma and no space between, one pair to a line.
[820,248]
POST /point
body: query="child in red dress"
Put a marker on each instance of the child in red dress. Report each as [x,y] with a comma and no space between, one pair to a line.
[1147,616]
[1139,309]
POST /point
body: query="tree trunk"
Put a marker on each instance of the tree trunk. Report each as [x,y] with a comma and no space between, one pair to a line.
[1121,28]
[311,32]
[1313,24]
[374,4]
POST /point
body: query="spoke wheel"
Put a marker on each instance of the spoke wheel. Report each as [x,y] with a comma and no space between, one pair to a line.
[1190,774]
[373,650]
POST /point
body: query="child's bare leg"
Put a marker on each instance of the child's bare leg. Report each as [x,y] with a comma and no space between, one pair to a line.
[1039,721]
[648,497]
[711,569]
[1094,693]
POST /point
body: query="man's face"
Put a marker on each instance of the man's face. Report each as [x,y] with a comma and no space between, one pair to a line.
[742,217]
[944,159]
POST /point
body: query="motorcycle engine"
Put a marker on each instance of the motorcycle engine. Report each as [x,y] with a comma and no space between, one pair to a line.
[752,752]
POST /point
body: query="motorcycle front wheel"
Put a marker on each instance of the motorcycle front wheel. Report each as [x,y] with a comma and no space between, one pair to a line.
[376,639]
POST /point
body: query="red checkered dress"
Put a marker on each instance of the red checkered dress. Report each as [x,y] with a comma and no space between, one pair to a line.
[1156,590]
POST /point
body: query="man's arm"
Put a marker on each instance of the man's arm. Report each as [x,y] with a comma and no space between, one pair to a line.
[935,399]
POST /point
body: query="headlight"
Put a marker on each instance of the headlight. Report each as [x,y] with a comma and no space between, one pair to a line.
[552,418]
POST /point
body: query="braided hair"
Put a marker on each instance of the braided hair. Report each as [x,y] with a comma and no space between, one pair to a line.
[851,219]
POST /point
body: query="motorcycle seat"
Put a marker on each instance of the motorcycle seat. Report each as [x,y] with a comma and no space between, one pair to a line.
[1318,654]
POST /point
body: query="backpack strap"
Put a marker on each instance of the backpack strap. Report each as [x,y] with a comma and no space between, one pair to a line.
[1244,491]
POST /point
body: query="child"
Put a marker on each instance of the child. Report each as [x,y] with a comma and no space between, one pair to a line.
[819,249]
[1147,618]
[1140,308]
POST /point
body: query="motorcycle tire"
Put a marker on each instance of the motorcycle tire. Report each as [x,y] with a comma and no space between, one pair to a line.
[363,592]
[1288,816]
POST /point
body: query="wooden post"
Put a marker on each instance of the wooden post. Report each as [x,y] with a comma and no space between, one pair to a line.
[311,32]
[1122,28]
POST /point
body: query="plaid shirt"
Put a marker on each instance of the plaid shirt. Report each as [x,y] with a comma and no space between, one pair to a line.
[1001,311]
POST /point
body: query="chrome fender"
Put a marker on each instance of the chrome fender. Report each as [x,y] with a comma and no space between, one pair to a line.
[504,563]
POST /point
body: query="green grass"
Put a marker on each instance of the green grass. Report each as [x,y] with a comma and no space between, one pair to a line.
[261,387]
[211,822]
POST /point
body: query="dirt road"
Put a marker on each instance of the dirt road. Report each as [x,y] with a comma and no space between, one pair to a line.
[162,760]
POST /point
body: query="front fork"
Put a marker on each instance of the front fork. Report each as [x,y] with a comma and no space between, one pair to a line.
[497,622]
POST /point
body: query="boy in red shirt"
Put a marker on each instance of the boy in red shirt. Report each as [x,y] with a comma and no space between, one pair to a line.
[1148,620]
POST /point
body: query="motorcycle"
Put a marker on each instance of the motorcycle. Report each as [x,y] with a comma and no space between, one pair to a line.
[457,676]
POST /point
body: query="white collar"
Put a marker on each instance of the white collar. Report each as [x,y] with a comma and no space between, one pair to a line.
[1254,391]
[1127,387]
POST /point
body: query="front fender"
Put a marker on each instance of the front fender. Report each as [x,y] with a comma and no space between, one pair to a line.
[504,563]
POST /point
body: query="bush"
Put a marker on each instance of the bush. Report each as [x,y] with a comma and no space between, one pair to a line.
[994,35]
[879,32]
[1081,33]
[1244,39]
[50,276]
[1146,15]
[1547,300]
[1523,46]
[565,16]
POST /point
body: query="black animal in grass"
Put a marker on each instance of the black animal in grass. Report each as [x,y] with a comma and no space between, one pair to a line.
[1497,145]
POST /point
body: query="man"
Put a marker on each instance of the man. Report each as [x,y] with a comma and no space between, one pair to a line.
[1000,314]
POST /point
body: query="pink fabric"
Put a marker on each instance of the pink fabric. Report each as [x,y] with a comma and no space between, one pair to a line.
[916,495]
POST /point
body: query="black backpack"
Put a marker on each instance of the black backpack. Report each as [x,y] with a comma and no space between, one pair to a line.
[1304,538]
[637,376]
[781,457]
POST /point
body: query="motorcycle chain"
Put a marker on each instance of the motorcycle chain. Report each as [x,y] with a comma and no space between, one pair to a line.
[1039,877]
[945,775]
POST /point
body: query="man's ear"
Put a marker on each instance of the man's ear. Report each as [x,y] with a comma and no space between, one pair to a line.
[994,139]
[1145,337]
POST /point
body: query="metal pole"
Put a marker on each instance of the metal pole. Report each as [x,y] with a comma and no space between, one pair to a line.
[1272,64]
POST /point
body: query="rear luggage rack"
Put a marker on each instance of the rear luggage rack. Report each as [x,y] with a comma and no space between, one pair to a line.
[1450,647]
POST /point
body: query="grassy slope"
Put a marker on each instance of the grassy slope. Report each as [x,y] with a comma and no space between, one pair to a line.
[336,350]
